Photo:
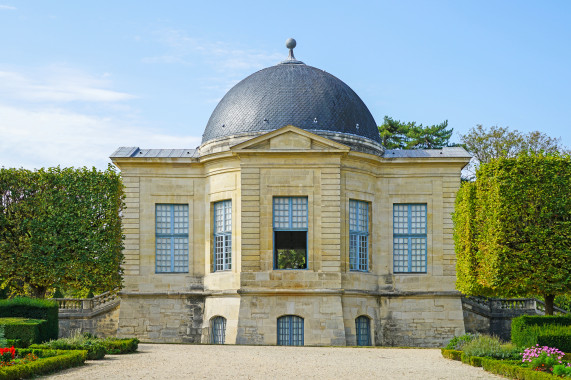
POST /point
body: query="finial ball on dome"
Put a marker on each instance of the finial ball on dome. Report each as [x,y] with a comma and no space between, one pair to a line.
[290,43]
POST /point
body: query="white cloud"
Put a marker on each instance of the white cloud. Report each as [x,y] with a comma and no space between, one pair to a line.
[43,122]
[57,85]
[7,7]
[34,138]
[184,49]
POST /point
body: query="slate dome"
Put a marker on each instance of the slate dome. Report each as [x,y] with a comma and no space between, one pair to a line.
[293,93]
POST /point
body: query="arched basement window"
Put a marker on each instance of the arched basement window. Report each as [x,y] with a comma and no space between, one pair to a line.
[363,327]
[290,330]
[217,330]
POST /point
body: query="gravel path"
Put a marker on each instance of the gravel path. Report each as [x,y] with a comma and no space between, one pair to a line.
[173,361]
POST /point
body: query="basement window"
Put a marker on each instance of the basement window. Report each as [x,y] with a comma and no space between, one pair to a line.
[290,232]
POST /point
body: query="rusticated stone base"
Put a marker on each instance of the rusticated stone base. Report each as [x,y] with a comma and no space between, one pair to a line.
[162,318]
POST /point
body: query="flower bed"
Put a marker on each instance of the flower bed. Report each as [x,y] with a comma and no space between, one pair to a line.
[538,362]
[26,363]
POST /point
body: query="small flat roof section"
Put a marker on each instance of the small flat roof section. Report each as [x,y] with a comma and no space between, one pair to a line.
[448,152]
[133,151]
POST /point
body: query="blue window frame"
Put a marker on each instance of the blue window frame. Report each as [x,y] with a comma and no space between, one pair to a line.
[171,238]
[409,238]
[223,235]
[217,330]
[363,329]
[290,220]
[290,330]
[358,236]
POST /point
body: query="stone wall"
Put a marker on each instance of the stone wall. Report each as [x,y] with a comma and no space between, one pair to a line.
[161,317]
[420,321]
[322,314]
[103,323]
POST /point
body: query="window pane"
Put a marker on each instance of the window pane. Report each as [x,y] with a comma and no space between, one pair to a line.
[290,330]
[400,219]
[163,255]
[363,217]
[171,240]
[363,329]
[358,235]
[352,215]
[409,238]
[400,254]
[418,250]
[281,213]
[223,235]
[353,257]
[163,219]
[363,252]
[299,213]
[218,330]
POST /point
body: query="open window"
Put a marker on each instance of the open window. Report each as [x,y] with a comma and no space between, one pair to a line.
[290,233]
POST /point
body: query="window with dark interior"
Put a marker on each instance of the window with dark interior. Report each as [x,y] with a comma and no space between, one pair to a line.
[290,232]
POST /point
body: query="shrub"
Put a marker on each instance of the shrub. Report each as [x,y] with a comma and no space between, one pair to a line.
[492,347]
[520,326]
[34,309]
[94,346]
[458,342]
[26,330]
[452,354]
[513,369]
[555,336]
[562,370]
[120,346]
[50,362]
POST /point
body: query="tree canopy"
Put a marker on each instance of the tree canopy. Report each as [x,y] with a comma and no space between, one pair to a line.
[486,144]
[512,228]
[60,227]
[408,135]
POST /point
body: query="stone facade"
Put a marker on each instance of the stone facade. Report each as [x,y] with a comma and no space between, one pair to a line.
[102,323]
[412,309]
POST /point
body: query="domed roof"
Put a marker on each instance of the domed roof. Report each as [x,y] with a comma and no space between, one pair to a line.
[291,93]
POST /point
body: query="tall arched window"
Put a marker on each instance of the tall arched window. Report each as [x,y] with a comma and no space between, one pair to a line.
[363,328]
[290,330]
[217,330]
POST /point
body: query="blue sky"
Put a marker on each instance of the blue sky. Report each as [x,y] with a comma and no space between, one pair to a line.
[79,79]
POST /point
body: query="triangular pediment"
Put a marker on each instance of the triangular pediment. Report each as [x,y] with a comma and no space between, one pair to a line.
[289,139]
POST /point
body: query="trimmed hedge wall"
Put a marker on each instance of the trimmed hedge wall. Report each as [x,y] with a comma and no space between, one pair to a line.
[513,370]
[94,351]
[27,331]
[452,354]
[120,346]
[49,361]
[34,309]
[552,331]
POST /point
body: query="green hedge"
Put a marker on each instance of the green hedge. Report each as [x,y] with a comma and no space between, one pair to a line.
[514,370]
[545,330]
[28,331]
[560,340]
[451,354]
[46,364]
[474,361]
[120,346]
[95,351]
[34,309]
[17,343]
